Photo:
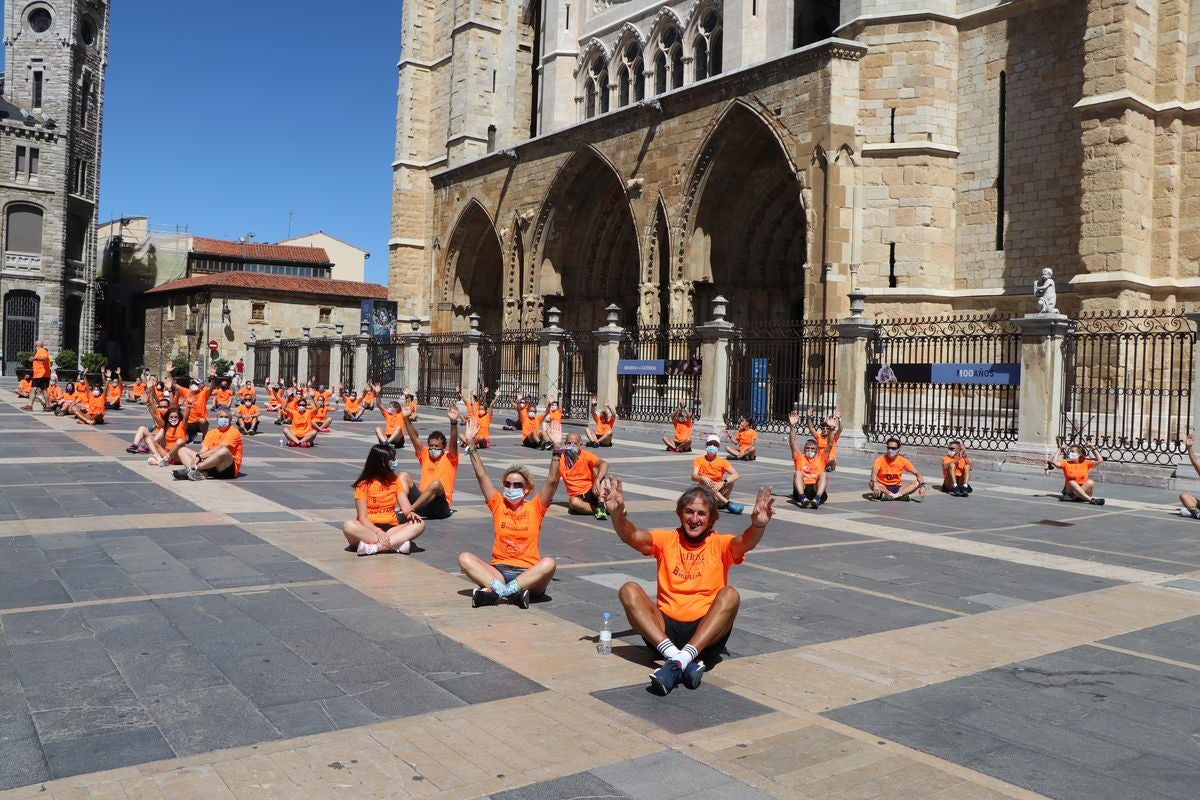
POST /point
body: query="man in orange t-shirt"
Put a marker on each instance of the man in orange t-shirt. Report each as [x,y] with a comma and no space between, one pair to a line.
[605,419]
[301,433]
[248,416]
[693,615]
[114,391]
[744,447]
[887,476]
[222,395]
[220,455]
[352,407]
[24,386]
[1073,460]
[531,424]
[479,410]
[716,473]
[583,474]
[41,376]
[431,498]
[90,409]
[956,470]
[392,431]
[809,481]
[680,438]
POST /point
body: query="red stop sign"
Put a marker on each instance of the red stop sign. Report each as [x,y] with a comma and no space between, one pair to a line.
[212,345]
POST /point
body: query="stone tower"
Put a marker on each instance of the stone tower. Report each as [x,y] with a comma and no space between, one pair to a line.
[51,119]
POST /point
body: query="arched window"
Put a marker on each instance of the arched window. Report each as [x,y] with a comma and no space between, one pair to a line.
[668,61]
[23,229]
[708,46]
[631,78]
[596,88]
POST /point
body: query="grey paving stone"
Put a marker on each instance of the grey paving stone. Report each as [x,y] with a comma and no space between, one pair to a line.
[264,516]
[1161,775]
[106,751]
[271,679]
[169,581]
[438,657]
[203,720]
[1061,780]
[108,690]
[682,711]
[152,673]
[667,775]
[496,684]
[218,628]
[21,759]
[380,624]
[333,596]
[578,786]
[44,626]
[77,722]
[1174,640]
[290,572]
[334,648]
[318,716]
[137,632]
[24,594]
[921,731]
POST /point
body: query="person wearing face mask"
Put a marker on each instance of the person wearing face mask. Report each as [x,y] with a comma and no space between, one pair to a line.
[887,476]
[583,475]
[743,447]
[680,438]
[66,402]
[321,414]
[693,615]
[826,434]
[301,432]
[956,470]
[141,439]
[431,498]
[392,431]
[516,570]
[220,454]
[222,395]
[1075,464]
[810,481]
[165,446]
[380,506]
[197,399]
[716,473]
[480,411]
[90,411]
[247,391]
[605,419]
[248,416]
[532,434]
[137,391]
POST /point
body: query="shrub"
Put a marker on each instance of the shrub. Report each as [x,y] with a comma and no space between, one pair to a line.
[94,362]
[67,359]
[180,366]
[25,358]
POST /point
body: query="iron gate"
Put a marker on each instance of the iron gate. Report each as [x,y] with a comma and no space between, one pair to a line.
[652,398]
[318,361]
[384,365]
[577,374]
[349,351]
[921,412]
[510,362]
[778,367]
[262,363]
[1128,384]
[289,361]
[441,370]
[20,326]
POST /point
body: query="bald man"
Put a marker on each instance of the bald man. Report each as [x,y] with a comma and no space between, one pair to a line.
[41,375]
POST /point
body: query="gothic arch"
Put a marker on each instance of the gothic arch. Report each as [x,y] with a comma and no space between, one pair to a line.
[472,274]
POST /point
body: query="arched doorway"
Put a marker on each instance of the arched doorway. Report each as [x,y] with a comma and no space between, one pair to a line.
[747,233]
[587,252]
[473,274]
[20,326]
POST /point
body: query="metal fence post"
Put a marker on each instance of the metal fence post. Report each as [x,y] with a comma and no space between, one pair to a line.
[851,371]
[1184,468]
[608,352]
[470,357]
[550,339]
[1041,397]
[715,336]
[335,359]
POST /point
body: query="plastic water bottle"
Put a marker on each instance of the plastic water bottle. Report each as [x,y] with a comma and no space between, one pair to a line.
[282,442]
[604,648]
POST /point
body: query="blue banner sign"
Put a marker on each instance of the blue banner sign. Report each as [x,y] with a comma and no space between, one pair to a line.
[990,374]
[643,366]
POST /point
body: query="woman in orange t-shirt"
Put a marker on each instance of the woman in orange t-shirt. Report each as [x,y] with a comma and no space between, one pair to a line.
[380,506]
[679,440]
[24,386]
[392,430]
[90,410]
[809,481]
[165,444]
[517,570]
[1073,460]
[605,420]
[480,410]
[744,440]
[887,476]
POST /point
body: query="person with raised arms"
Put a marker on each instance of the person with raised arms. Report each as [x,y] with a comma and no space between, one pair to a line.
[220,454]
[438,457]
[605,419]
[809,481]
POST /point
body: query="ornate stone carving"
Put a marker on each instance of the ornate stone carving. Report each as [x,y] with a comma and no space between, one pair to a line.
[683,293]
[512,313]
[648,306]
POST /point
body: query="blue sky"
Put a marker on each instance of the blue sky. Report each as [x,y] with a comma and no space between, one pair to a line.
[225,115]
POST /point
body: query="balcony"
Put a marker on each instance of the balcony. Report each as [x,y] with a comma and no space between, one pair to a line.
[22,264]
[75,270]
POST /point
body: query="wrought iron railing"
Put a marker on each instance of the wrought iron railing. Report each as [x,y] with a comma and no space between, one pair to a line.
[778,367]
[441,369]
[349,350]
[652,397]
[577,373]
[510,362]
[262,363]
[289,361]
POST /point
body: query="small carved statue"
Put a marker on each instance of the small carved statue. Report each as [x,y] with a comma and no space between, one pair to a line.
[1043,290]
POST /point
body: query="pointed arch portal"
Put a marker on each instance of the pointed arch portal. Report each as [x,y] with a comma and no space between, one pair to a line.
[473,273]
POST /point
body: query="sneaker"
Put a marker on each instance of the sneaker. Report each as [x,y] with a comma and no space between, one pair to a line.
[885,495]
[1064,498]
[306,444]
[672,449]
[194,474]
[693,673]
[735,508]
[179,474]
[968,489]
[484,597]
[133,448]
[520,599]
[905,497]
[365,549]
[665,678]
[143,448]
[404,548]
[803,501]
[152,461]
[1097,501]
[1183,512]
[600,513]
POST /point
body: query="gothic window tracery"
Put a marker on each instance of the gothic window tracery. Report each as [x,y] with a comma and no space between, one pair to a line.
[707,46]
[668,61]
[596,87]
[631,77]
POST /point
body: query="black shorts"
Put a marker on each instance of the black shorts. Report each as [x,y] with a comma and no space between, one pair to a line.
[194,427]
[437,508]
[508,572]
[589,497]
[227,474]
[680,633]
[40,383]
[529,441]
[112,406]
[683,447]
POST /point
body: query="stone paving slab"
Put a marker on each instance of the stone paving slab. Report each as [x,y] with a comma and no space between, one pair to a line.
[682,711]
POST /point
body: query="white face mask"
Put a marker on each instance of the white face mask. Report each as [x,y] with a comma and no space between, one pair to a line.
[223,422]
[810,453]
[951,453]
[712,448]
[892,452]
[435,453]
[95,393]
[513,493]
[1072,456]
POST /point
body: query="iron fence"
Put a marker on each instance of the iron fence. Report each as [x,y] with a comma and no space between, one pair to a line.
[349,348]
[385,364]
[262,363]
[1127,384]
[652,398]
[778,367]
[510,362]
[903,399]
[289,361]
[318,361]
[577,373]
[441,369]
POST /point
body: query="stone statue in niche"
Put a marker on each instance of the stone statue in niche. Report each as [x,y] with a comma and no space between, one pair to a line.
[1043,290]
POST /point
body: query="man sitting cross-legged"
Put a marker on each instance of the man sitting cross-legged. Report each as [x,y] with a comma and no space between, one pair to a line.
[248,415]
[301,432]
[431,498]
[220,454]
[693,616]
[583,473]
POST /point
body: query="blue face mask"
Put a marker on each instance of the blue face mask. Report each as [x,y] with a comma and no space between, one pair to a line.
[435,453]
[222,422]
[395,465]
[712,448]
[513,494]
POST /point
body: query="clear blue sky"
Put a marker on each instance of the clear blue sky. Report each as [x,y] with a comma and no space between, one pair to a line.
[225,115]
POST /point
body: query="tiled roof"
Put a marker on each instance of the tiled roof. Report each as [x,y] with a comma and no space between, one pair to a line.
[275,283]
[202,245]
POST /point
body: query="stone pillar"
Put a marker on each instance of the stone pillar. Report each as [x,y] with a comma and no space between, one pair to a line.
[273,370]
[470,357]
[550,341]
[1041,396]
[335,362]
[714,366]
[608,351]
[411,342]
[361,356]
[851,375]
[248,374]
[302,356]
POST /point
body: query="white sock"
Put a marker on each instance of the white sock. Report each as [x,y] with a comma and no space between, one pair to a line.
[667,650]
[404,547]
[686,655]
[365,549]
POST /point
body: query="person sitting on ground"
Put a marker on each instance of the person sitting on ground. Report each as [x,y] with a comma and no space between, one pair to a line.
[744,447]
[690,622]
[248,416]
[64,406]
[956,470]
[165,449]
[368,397]
[114,391]
[274,399]
[827,435]
[810,481]
[393,428]
[41,376]
[90,409]
[247,390]
[887,476]
[410,405]
[680,439]
[378,493]
[517,570]
[81,385]
[717,474]
[220,453]
[352,407]
[54,394]
[1074,461]
[605,419]
[532,434]
[223,394]
[321,413]
[24,387]
[137,391]
[480,436]
[433,495]
[583,475]
[141,443]
[197,397]
[301,432]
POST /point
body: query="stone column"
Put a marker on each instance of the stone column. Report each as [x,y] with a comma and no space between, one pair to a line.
[714,366]
[335,360]
[249,361]
[608,351]
[550,340]
[302,356]
[273,371]
[470,357]
[1041,395]
[361,356]
[851,376]
[411,342]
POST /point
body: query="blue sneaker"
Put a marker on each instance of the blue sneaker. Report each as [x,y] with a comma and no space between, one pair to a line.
[735,508]
[665,678]
[693,673]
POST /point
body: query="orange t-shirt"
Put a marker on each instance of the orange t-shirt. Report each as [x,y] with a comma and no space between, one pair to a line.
[713,470]
[604,428]
[41,363]
[822,441]
[368,397]
[958,461]
[139,390]
[223,396]
[891,474]
[54,394]
[392,420]
[381,500]
[248,391]
[579,478]
[24,385]
[683,430]
[352,404]
[274,399]
[199,404]
[443,469]
[746,438]
[809,468]
[529,423]
[113,393]
[1077,471]
[485,425]
[81,386]
[302,421]
[553,416]
[412,408]
[174,434]
[95,405]
[516,531]
[321,414]
[246,412]
[231,437]
[690,575]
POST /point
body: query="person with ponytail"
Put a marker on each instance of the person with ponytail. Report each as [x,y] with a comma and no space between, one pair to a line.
[383,520]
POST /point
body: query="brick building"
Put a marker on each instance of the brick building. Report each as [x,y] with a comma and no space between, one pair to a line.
[935,153]
[51,116]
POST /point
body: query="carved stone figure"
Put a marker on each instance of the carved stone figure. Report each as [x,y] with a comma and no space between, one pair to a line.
[1043,290]
[648,311]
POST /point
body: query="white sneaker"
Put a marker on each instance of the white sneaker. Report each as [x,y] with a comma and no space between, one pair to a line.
[1183,512]
[365,549]
[405,548]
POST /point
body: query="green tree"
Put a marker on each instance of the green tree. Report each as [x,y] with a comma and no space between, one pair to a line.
[180,366]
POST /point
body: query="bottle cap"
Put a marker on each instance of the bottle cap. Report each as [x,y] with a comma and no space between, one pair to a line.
[607,615]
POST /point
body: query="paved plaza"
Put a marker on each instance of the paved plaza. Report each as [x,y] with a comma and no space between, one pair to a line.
[214,640]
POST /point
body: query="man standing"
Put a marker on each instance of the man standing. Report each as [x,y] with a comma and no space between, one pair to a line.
[693,616]
[41,375]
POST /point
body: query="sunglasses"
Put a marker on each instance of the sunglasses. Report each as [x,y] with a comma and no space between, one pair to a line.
[514,484]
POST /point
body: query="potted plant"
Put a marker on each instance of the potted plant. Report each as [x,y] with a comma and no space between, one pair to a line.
[180,368]
[67,365]
[93,367]
[25,359]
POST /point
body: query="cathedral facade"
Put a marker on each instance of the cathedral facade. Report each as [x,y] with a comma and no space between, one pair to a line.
[935,154]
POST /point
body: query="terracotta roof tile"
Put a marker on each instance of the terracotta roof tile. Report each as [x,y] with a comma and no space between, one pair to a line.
[202,245]
[275,283]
